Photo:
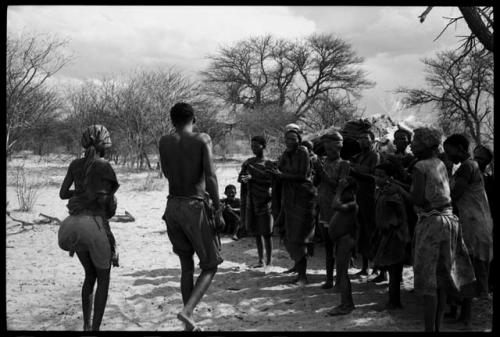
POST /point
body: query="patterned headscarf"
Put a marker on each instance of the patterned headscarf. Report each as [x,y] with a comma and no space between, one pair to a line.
[430,137]
[96,135]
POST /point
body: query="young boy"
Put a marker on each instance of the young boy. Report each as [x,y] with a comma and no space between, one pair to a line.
[231,211]
[342,230]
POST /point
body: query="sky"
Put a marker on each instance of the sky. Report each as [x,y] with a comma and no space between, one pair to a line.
[116,39]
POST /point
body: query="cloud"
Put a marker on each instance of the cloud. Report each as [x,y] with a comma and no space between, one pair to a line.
[116,38]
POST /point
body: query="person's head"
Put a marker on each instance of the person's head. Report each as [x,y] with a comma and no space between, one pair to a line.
[332,143]
[258,145]
[308,145]
[366,139]
[230,191]
[383,172]
[95,140]
[483,156]
[402,138]
[425,142]
[292,139]
[182,114]
[349,191]
[456,148]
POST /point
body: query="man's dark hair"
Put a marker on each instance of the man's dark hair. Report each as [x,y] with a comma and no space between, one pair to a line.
[259,139]
[406,132]
[458,140]
[230,187]
[181,114]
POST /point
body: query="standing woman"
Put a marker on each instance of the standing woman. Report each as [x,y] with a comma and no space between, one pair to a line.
[297,201]
[86,230]
[441,263]
[256,198]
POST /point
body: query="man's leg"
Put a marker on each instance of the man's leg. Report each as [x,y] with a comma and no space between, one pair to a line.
[202,283]
[87,288]
[187,272]
[430,311]
[441,304]
[260,251]
[269,248]
[329,259]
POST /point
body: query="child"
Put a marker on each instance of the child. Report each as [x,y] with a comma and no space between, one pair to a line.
[392,230]
[231,211]
[342,231]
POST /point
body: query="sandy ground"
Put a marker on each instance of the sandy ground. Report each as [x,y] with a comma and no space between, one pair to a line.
[44,283]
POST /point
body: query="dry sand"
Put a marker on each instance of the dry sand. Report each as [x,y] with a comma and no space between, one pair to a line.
[44,283]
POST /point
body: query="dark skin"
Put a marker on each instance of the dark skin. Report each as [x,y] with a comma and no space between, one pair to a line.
[401,141]
[92,273]
[458,154]
[260,240]
[187,162]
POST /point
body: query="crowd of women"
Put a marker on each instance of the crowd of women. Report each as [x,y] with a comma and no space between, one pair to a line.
[390,209]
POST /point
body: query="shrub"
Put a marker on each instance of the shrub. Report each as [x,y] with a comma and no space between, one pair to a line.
[152,182]
[26,190]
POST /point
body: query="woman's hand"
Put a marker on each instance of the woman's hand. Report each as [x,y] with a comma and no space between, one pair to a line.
[246,178]
[274,172]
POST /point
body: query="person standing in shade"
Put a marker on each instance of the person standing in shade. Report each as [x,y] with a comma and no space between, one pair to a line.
[332,169]
[186,161]
[256,199]
[469,196]
[441,261]
[362,169]
[297,201]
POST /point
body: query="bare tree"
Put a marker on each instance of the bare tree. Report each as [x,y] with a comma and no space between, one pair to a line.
[480,21]
[31,60]
[292,75]
[461,91]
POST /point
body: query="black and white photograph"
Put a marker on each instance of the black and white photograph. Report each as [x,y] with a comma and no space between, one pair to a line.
[249,168]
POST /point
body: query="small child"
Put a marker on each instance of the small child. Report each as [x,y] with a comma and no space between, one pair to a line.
[391,230]
[342,230]
[231,212]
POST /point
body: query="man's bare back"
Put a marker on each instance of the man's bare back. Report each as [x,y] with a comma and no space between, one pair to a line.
[186,161]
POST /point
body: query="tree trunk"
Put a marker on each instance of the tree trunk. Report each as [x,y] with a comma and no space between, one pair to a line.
[477,27]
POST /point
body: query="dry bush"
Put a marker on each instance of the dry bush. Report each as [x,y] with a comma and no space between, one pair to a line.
[26,190]
[152,182]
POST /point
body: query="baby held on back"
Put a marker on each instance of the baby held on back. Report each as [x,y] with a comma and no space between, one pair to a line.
[344,220]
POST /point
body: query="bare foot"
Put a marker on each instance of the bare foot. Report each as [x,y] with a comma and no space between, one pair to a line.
[187,320]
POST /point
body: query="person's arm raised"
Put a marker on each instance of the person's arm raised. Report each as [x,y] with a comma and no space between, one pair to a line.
[212,185]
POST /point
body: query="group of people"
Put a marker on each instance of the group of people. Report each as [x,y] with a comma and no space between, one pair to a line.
[391,209]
